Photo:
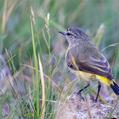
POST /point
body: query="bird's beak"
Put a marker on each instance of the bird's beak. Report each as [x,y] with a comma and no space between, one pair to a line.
[63,33]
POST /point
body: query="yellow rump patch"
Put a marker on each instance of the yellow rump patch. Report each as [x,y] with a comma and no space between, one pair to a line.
[88,76]
[104,80]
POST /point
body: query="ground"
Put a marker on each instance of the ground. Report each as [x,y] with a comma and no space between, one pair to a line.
[77,108]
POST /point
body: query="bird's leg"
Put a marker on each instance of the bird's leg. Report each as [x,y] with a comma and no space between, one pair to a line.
[99,87]
[79,92]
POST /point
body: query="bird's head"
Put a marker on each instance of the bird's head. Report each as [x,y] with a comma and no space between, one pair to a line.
[74,34]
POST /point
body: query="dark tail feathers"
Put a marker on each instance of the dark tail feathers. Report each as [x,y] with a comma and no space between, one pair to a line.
[115,88]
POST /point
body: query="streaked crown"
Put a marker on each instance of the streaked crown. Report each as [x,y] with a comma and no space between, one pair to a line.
[74,34]
[77,32]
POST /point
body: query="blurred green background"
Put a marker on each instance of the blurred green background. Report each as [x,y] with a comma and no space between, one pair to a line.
[99,18]
[15,35]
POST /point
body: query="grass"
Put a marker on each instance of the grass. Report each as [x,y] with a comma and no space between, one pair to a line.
[28,36]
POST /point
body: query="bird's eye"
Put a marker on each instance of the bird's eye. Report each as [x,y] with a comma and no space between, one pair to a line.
[69,34]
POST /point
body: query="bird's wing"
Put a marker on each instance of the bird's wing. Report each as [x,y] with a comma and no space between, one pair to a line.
[94,63]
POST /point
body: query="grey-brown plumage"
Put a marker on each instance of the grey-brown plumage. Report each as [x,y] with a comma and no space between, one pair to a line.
[82,55]
[88,59]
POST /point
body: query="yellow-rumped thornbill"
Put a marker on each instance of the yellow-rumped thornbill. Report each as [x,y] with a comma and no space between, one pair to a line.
[83,57]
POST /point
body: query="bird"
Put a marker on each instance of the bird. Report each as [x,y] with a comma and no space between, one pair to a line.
[84,57]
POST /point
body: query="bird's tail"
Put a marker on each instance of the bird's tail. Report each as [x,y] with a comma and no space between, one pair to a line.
[115,88]
[110,83]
